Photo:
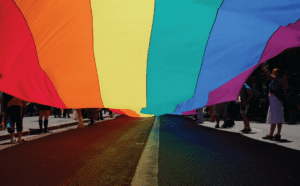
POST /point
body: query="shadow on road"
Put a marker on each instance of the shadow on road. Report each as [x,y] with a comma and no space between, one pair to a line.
[190,154]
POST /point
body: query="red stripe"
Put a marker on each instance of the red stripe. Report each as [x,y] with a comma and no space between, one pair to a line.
[21,74]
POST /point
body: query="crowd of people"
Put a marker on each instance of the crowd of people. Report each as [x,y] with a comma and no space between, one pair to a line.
[14,109]
[275,115]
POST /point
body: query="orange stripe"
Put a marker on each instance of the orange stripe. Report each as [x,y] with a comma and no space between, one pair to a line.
[129,112]
[62,31]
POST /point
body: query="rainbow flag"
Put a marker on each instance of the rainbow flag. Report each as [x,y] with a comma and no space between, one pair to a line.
[140,58]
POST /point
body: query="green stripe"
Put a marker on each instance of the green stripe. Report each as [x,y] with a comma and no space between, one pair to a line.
[179,36]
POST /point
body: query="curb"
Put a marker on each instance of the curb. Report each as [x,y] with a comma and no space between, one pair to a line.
[35,131]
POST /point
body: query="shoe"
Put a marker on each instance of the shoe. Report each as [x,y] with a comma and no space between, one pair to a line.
[212,120]
[217,126]
[40,131]
[224,126]
[13,140]
[80,126]
[47,131]
[199,122]
[91,124]
[246,131]
[268,137]
[277,137]
[22,140]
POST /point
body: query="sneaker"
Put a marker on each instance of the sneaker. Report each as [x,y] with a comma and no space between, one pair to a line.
[268,137]
[277,137]
[13,140]
[217,126]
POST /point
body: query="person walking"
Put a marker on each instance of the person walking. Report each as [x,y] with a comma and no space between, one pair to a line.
[66,113]
[100,115]
[56,112]
[221,110]
[92,114]
[275,114]
[13,107]
[211,113]
[245,96]
[44,112]
[199,115]
[80,118]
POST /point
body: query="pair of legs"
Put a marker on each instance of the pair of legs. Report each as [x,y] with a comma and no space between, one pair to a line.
[217,117]
[46,114]
[80,123]
[100,116]
[221,110]
[15,114]
[66,113]
[277,136]
[211,113]
[56,112]
[199,115]
[273,126]
[246,121]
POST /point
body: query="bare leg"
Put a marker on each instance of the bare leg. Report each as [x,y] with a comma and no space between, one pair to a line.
[273,126]
[218,120]
[20,136]
[12,137]
[279,126]
[211,113]
[41,113]
[246,121]
[80,123]
[47,114]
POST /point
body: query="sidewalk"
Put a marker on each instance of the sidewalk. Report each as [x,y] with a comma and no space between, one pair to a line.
[290,133]
[31,125]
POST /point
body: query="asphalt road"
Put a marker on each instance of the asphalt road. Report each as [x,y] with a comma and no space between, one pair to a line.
[123,151]
[106,153]
[191,154]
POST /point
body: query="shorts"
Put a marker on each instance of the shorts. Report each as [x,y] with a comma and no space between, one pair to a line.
[14,113]
[244,109]
[221,109]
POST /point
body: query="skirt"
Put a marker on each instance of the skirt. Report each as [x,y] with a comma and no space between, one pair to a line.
[275,111]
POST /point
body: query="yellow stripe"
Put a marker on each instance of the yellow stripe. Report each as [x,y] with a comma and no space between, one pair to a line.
[138,111]
[122,32]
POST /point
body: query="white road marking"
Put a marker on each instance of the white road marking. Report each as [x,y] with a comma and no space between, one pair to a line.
[147,169]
